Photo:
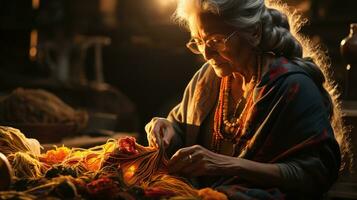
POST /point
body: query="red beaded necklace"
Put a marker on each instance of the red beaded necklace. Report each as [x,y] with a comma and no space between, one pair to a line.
[224,129]
[230,130]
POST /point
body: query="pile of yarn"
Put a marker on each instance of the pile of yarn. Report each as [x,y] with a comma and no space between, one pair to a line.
[118,169]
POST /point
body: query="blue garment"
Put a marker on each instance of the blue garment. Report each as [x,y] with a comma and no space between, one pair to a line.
[289,125]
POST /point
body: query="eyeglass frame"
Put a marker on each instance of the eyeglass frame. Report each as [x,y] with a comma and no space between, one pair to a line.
[197,51]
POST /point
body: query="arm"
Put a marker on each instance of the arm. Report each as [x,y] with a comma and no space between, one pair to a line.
[205,162]
[257,173]
[309,173]
[295,134]
[312,172]
[305,174]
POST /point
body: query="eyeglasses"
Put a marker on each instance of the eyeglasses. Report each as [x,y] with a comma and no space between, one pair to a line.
[197,45]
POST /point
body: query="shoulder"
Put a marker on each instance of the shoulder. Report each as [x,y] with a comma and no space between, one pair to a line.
[285,72]
[205,75]
[302,79]
[205,71]
[279,69]
[287,79]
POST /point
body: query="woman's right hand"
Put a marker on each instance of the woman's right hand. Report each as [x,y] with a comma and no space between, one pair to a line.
[159,131]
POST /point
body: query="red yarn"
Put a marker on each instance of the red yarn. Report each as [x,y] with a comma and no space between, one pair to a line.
[103,188]
[127,145]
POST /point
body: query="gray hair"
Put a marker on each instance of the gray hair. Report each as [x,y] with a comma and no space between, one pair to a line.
[246,16]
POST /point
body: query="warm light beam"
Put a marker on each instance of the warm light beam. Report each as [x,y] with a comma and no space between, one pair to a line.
[33,44]
[165,3]
[35,4]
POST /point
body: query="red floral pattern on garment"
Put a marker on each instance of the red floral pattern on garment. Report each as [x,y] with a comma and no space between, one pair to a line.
[293,90]
[277,72]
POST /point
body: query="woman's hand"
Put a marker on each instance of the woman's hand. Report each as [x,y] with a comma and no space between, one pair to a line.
[197,161]
[159,131]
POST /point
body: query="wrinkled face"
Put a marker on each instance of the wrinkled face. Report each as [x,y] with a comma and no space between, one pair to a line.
[237,56]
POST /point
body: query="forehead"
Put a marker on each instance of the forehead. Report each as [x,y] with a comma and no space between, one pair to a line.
[204,24]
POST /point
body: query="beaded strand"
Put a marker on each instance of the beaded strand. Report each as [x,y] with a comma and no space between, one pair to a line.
[231,128]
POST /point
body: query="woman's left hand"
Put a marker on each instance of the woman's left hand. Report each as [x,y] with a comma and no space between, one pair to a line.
[197,161]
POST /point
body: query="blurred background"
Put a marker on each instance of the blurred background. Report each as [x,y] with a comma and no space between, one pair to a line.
[125,61]
[125,57]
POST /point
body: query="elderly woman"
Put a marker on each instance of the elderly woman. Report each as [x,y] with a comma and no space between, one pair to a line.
[257,114]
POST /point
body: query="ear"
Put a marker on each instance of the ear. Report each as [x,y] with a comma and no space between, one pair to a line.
[256,35]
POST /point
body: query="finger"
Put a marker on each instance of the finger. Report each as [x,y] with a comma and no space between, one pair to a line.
[148,130]
[179,159]
[148,136]
[196,166]
[154,143]
[156,133]
[149,126]
[166,143]
[166,140]
[179,155]
[151,140]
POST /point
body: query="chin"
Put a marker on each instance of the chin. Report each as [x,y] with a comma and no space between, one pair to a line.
[222,70]
[222,73]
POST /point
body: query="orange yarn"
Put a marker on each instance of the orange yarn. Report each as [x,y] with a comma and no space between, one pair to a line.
[210,194]
[55,156]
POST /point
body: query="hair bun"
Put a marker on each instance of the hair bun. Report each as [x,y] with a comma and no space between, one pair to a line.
[278,18]
[276,35]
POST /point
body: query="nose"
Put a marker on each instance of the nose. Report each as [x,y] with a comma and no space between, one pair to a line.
[208,53]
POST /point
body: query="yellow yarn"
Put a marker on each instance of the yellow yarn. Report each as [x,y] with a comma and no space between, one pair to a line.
[89,159]
[147,167]
[26,166]
[172,184]
[16,195]
[12,141]
[52,184]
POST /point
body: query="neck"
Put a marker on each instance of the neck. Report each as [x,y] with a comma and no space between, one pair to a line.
[247,67]
[245,78]
[257,67]
[237,89]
